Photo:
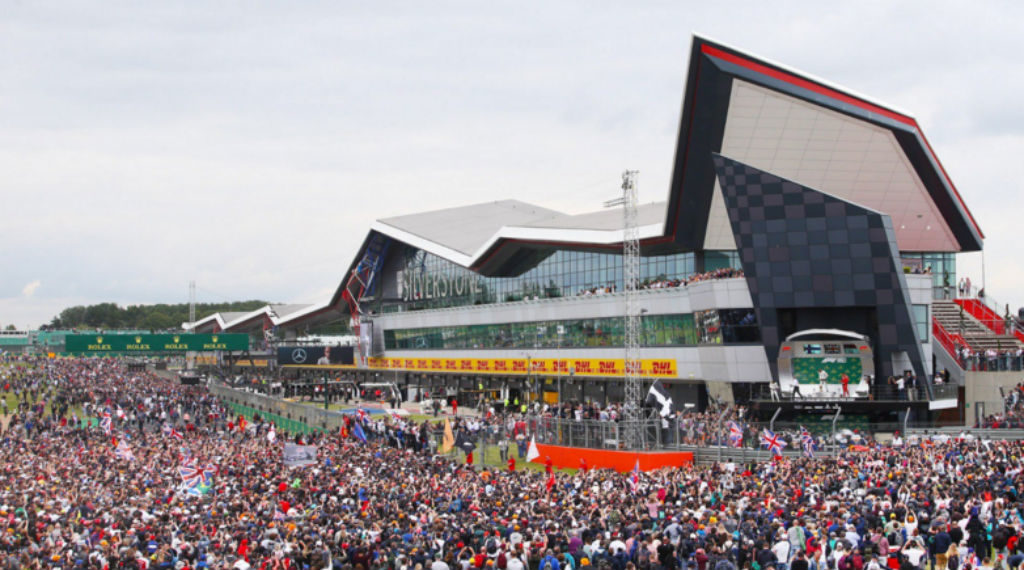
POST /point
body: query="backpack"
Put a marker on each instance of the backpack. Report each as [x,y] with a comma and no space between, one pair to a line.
[894,540]
[724,564]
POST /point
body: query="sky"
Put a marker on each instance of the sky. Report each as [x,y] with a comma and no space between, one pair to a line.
[248,146]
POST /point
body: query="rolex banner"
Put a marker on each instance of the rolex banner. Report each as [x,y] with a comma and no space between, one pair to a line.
[153,343]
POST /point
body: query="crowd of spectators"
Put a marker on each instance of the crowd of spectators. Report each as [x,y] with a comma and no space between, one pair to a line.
[72,498]
[666,283]
[990,359]
[723,273]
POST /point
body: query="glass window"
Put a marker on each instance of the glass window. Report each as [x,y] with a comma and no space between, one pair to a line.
[709,329]
[429,282]
[921,322]
[739,326]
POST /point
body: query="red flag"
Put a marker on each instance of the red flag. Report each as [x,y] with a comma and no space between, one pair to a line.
[551,482]
[511,463]
[469,458]
[243,549]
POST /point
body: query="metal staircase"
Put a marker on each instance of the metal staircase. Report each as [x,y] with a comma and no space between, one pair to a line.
[966,329]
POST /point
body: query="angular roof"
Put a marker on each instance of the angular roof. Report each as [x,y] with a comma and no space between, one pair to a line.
[814,133]
[766,115]
[269,315]
[463,230]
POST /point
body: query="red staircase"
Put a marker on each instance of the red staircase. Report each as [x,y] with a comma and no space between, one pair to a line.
[987,316]
[947,340]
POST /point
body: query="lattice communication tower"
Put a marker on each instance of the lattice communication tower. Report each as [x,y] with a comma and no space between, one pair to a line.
[631,282]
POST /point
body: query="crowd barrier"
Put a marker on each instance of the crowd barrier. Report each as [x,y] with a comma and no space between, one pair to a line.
[289,417]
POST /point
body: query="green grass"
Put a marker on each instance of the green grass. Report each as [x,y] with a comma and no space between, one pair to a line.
[12,403]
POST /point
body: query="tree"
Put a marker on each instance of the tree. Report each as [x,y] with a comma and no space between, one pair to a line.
[159,321]
[161,316]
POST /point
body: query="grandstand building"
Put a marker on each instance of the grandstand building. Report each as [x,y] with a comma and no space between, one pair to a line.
[795,205]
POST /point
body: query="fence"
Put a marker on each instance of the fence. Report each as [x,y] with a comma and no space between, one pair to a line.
[707,437]
[873,392]
[287,416]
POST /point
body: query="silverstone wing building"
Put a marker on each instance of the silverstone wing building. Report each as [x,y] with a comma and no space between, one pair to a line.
[794,205]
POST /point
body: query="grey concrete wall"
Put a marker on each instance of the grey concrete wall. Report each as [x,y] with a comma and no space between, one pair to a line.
[984,387]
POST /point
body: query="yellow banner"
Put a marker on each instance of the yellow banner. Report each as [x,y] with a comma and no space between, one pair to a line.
[654,368]
[257,362]
[321,366]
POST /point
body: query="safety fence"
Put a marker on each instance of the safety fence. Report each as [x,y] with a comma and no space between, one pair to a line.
[493,445]
[290,417]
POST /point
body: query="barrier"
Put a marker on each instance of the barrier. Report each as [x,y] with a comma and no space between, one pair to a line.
[287,416]
[947,340]
[987,316]
[569,457]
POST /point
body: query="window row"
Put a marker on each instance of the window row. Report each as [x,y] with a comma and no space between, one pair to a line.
[425,281]
[726,326]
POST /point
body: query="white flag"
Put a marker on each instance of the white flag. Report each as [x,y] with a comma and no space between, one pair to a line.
[271,435]
[532,453]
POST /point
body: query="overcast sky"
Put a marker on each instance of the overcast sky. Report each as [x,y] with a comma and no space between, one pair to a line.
[249,145]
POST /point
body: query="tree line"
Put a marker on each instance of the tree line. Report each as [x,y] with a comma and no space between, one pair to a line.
[149,317]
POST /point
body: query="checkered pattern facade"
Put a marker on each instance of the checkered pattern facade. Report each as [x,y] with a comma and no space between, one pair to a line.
[803,249]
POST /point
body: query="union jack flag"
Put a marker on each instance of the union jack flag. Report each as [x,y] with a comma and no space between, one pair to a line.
[106,422]
[634,480]
[172,433]
[194,475]
[807,442]
[773,442]
[362,415]
[124,452]
[735,434]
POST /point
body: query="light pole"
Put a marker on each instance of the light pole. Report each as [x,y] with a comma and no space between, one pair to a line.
[559,391]
[572,372]
[643,327]
[528,385]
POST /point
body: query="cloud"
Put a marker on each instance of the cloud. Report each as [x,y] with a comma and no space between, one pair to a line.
[30,289]
[121,125]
